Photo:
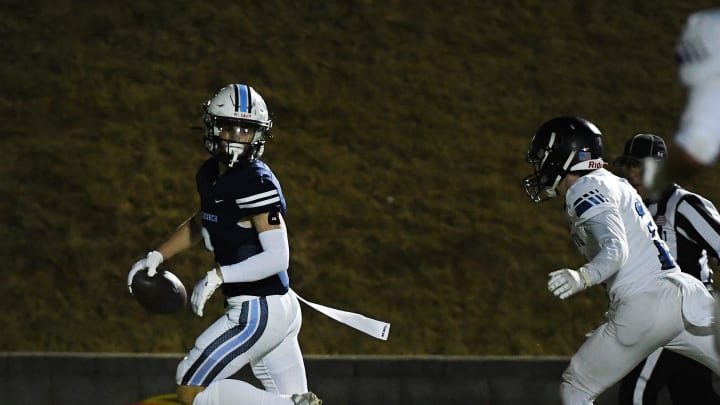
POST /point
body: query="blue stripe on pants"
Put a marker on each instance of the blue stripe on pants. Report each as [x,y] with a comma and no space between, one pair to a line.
[230,344]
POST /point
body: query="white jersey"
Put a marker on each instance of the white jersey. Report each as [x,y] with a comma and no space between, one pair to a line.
[699,132]
[615,232]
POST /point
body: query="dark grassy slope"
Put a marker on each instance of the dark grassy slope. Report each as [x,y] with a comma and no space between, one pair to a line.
[401,129]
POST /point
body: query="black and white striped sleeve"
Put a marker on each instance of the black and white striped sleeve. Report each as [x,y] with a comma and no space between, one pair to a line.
[698,220]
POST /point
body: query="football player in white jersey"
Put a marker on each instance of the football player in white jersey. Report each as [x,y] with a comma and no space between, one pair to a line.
[652,304]
[242,221]
[690,225]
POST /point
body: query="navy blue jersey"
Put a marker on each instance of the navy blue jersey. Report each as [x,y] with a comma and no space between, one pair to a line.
[228,200]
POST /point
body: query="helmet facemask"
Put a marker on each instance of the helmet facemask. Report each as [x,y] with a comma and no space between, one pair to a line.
[561,146]
[547,173]
[221,139]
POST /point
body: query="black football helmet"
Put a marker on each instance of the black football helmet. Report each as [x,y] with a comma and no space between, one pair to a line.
[560,146]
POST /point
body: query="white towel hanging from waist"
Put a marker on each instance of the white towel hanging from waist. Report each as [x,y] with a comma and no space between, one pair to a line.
[377,329]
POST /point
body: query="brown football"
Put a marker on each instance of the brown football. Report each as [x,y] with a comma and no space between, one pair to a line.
[162,293]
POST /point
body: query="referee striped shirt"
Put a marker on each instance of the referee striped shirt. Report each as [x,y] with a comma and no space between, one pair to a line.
[690,225]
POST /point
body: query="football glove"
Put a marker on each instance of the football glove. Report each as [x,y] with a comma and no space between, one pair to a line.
[150,262]
[567,282]
[203,290]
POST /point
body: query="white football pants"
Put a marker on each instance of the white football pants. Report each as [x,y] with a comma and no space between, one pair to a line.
[260,331]
[635,327]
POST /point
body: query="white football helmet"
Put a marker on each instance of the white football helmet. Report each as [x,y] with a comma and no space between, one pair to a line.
[240,107]
[698,49]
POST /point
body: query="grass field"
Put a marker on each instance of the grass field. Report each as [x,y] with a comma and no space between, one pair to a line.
[401,129]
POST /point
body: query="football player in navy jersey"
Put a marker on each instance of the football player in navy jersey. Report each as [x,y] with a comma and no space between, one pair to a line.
[242,221]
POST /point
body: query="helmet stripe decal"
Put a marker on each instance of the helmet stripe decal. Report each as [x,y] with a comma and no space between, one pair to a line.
[243,98]
[237,97]
[249,99]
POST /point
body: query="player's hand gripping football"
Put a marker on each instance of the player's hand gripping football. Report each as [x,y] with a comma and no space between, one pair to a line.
[567,282]
[150,262]
[204,289]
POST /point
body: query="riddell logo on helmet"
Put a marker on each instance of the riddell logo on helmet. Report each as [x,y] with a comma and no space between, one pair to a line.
[594,164]
[239,114]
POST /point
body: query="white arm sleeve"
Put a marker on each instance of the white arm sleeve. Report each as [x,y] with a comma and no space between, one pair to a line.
[608,230]
[274,258]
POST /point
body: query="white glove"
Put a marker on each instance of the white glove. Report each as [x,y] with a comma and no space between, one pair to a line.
[566,282]
[151,262]
[203,290]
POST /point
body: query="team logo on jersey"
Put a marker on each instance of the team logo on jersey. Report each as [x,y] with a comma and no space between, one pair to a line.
[209,217]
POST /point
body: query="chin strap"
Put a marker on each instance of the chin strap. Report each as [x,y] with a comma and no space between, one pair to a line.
[235,152]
